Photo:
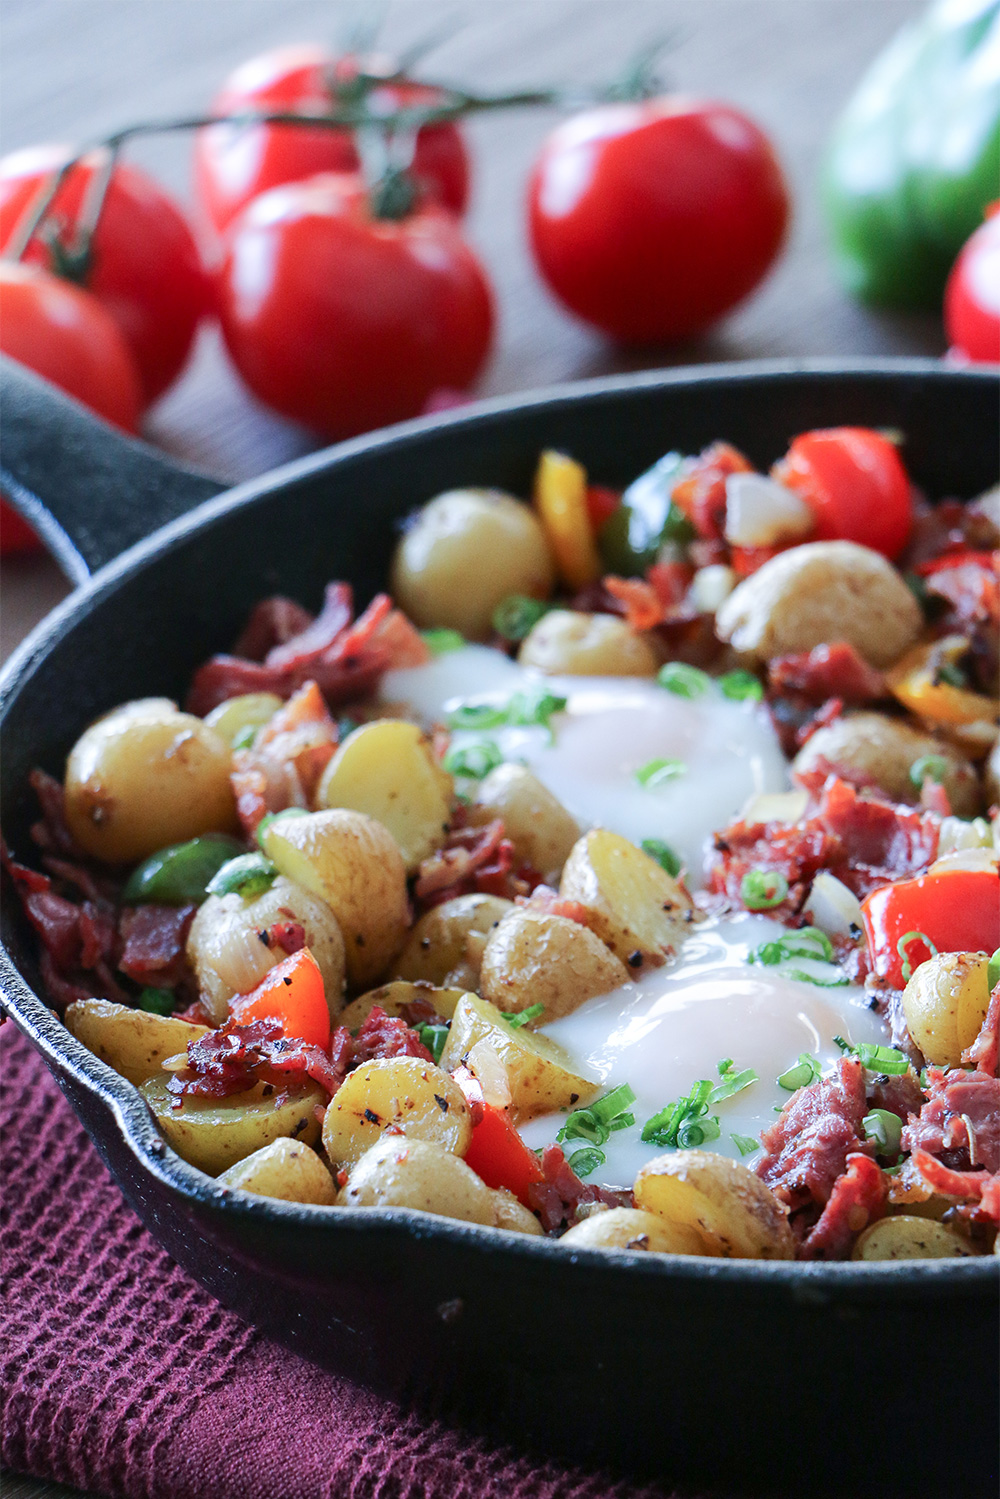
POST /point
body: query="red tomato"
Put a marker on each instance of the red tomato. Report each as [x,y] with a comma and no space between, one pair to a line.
[854,480]
[972,295]
[651,220]
[234,164]
[957,909]
[146,271]
[64,334]
[293,994]
[343,321]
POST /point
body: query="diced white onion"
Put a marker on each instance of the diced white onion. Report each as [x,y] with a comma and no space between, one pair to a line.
[956,834]
[710,586]
[490,1073]
[776,806]
[832,907]
[966,858]
[760,512]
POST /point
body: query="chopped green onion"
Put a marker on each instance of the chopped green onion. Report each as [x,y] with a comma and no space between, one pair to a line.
[806,1070]
[156,1001]
[440,642]
[746,1143]
[272,817]
[885,1129]
[656,772]
[993,970]
[953,675]
[523,709]
[474,760]
[516,1018]
[800,975]
[605,1115]
[928,768]
[245,737]
[695,1132]
[762,889]
[249,875]
[885,1059]
[731,1082]
[346,726]
[433,1037]
[477,716]
[665,1127]
[583,1162]
[516,615]
[663,854]
[741,686]
[685,681]
[901,947]
[807,942]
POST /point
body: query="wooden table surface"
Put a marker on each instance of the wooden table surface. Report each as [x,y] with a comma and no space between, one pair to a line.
[74,69]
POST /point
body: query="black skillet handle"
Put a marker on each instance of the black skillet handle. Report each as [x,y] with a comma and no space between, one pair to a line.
[87,489]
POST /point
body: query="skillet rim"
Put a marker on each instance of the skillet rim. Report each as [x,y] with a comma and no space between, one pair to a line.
[911,1279]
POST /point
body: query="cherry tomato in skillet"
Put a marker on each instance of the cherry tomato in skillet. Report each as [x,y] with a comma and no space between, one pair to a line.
[344,321]
[650,220]
[972,295]
[854,480]
[64,334]
[234,164]
[146,269]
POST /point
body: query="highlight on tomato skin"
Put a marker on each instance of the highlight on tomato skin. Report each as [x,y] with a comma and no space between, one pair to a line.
[235,164]
[651,220]
[854,480]
[344,321]
[146,269]
[293,994]
[972,295]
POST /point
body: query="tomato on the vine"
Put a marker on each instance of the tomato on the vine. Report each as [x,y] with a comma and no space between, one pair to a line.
[650,220]
[345,321]
[145,269]
[854,481]
[236,163]
[972,295]
[65,335]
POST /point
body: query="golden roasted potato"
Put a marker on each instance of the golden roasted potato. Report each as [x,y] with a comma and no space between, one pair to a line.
[225,949]
[237,715]
[393,997]
[402,1172]
[214,1133]
[565,642]
[533,958]
[463,554]
[729,1207]
[388,770]
[145,776]
[354,864]
[541,1075]
[633,905]
[945,1004]
[823,591]
[634,1229]
[910,1238]
[872,747]
[285,1169]
[439,943]
[512,1216]
[399,1093]
[535,821]
[133,1042]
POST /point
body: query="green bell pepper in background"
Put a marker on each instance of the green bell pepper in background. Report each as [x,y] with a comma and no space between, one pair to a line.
[915,158]
[631,538]
[179,875]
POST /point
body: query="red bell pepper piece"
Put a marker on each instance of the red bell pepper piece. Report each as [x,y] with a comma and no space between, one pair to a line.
[294,995]
[601,505]
[500,1157]
[958,910]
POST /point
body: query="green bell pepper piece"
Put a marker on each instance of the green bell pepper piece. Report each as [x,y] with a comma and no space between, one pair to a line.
[631,538]
[915,158]
[249,876]
[179,875]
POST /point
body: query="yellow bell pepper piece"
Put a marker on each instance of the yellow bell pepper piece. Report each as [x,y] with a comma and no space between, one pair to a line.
[561,502]
[917,681]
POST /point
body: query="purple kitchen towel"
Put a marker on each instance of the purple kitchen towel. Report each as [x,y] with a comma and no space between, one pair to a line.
[122,1376]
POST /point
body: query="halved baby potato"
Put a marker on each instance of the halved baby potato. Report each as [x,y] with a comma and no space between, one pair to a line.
[214,1133]
[633,1229]
[633,905]
[535,958]
[398,1093]
[542,1076]
[439,943]
[403,1172]
[285,1169]
[945,1004]
[133,1042]
[732,1211]
[394,997]
[908,1237]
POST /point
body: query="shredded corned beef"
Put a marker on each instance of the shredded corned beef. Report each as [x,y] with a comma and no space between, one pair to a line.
[824,672]
[807,1147]
[153,940]
[960,1122]
[384,1036]
[237,1057]
[289,754]
[983,1053]
[549,902]
[557,1200]
[272,622]
[289,936]
[346,660]
[473,861]
[857,1199]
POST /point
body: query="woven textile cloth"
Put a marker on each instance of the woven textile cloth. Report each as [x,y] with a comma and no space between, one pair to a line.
[122,1376]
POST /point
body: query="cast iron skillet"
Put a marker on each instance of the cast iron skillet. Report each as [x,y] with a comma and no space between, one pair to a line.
[756,1374]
